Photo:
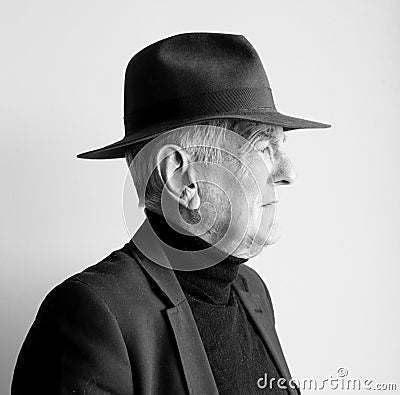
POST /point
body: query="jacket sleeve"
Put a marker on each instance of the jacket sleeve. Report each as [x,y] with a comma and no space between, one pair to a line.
[74,346]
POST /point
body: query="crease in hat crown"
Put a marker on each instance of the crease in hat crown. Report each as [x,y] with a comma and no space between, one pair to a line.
[194,77]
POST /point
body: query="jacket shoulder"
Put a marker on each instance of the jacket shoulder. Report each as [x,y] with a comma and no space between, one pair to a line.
[114,275]
[75,344]
[121,284]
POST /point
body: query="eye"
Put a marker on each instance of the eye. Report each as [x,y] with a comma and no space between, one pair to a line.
[267,150]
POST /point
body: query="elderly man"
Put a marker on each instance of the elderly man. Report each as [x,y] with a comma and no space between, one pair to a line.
[176,310]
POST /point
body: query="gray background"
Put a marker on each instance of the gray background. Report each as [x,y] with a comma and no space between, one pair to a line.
[333,276]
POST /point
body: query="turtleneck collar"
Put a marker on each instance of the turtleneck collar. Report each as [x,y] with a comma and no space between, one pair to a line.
[212,284]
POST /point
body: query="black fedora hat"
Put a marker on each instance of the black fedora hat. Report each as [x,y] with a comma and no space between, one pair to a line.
[194,77]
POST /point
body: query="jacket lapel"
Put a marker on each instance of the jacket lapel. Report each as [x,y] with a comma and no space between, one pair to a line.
[198,374]
[197,370]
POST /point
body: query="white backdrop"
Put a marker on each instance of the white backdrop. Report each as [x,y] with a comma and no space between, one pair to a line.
[333,275]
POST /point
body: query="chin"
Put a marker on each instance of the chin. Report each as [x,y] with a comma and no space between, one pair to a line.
[272,240]
[274,234]
[255,246]
[273,237]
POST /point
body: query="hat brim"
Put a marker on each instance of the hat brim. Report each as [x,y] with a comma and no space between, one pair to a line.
[117,149]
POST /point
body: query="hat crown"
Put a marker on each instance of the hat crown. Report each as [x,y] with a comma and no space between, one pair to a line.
[192,64]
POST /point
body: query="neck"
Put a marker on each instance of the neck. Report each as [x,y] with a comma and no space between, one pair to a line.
[212,284]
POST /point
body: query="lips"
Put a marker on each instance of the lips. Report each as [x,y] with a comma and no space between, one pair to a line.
[270,203]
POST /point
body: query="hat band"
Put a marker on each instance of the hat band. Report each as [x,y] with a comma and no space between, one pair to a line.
[222,102]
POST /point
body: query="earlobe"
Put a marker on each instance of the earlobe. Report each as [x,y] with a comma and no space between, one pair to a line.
[190,197]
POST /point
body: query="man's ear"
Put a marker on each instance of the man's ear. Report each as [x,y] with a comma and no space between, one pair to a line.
[178,175]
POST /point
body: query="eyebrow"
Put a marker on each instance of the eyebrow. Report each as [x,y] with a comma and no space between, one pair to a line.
[270,137]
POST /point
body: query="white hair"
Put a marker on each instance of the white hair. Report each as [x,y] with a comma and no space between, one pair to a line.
[203,143]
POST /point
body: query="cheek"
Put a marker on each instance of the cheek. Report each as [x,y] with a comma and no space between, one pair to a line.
[266,223]
[268,214]
[248,201]
[261,219]
[258,181]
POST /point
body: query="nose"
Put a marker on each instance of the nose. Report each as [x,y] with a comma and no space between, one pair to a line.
[284,173]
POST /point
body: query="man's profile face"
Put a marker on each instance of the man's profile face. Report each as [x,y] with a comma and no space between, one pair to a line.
[249,204]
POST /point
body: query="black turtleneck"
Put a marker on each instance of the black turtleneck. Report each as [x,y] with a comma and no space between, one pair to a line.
[237,356]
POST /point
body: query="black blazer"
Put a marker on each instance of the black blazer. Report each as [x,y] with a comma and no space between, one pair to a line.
[124,326]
